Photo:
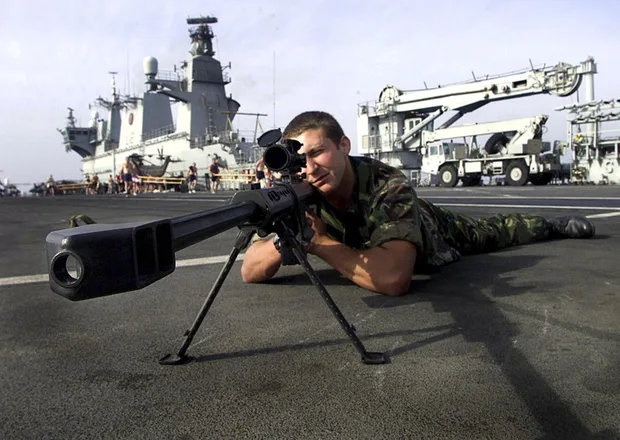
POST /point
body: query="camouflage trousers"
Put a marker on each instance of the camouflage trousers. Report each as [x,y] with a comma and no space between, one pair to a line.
[448,235]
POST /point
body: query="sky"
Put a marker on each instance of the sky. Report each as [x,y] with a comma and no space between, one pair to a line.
[329,55]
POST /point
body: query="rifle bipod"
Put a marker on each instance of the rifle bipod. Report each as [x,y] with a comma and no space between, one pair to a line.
[288,239]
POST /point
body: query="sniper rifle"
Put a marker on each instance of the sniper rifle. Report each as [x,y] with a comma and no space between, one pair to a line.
[115,258]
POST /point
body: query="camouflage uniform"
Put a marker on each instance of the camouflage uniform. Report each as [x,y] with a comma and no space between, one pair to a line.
[385,207]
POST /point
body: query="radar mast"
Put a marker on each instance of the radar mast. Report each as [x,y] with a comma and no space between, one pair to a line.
[201,35]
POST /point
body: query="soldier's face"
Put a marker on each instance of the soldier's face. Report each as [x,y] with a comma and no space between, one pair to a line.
[325,160]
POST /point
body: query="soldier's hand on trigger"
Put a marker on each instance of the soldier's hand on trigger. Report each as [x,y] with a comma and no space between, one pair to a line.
[319,228]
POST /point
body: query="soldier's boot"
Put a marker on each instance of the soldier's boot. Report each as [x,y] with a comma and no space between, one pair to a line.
[571,227]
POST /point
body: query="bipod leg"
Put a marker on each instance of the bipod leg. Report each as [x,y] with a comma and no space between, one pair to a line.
[243,238]
[367,357]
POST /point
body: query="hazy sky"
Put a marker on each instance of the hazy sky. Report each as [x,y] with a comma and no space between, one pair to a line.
[330,55]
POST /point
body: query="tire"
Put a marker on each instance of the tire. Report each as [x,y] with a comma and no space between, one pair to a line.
[517,173]
[448,177]
[495,142]
[541,179]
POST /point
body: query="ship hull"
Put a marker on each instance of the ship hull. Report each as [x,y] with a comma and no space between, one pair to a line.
[179,150]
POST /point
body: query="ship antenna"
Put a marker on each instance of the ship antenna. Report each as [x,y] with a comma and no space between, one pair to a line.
[113,83]
[274,89]
[128,78]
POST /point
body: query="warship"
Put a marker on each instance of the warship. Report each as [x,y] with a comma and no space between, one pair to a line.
[141,128]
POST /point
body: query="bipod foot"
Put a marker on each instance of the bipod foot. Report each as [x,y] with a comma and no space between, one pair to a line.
[175,359]
[243,239]
[367,357]
[374,358]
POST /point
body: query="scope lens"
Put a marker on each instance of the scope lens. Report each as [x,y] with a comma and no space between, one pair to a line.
[276,157]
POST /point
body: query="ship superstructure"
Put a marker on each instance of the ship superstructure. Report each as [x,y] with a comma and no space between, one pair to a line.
[143,124]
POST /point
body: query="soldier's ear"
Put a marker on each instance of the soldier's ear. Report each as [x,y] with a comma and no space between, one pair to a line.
[345,145]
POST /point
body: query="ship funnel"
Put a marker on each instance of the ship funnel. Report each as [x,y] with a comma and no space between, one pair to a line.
[149,65]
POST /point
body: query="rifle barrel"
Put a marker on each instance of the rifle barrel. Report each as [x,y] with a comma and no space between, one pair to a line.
[193,228]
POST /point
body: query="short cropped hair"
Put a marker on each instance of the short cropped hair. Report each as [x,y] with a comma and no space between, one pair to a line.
[313,120]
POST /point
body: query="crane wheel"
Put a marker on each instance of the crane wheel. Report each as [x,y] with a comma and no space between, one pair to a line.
[448,177]
[517,173]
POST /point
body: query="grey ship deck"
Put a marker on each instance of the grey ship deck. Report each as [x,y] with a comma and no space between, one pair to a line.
[523,343]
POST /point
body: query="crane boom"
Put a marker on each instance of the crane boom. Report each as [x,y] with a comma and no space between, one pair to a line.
[397,121]
[561,80]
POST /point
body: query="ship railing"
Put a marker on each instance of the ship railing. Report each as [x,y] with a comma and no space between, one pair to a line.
[160,139]
[202,141]
[249,136]
[252,157]
[168,75]
[223,137]
[236,136]
[162,131]
[373,108]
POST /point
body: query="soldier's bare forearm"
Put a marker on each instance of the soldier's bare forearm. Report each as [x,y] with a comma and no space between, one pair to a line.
[260,262]
[382,270]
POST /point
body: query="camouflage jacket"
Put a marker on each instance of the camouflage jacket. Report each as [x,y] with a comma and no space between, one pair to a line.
[385,207]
